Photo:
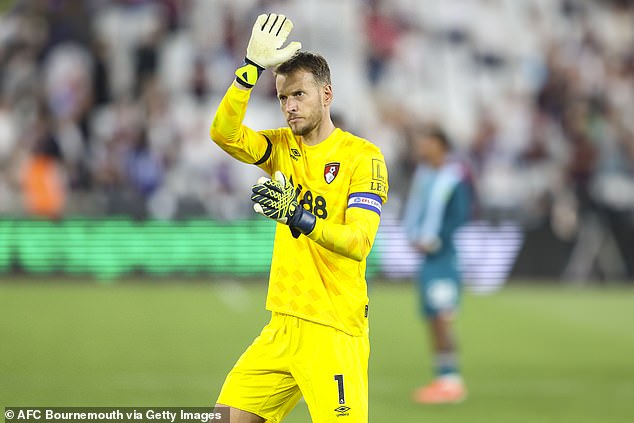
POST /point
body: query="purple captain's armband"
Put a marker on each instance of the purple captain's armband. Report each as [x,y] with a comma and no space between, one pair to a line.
[366,200]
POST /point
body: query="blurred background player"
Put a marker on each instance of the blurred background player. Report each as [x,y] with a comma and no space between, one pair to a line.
[328,187]
[438,204]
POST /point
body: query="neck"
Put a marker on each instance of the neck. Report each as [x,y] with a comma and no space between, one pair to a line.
[319,134]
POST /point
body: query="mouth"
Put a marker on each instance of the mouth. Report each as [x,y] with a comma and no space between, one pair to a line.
[293,119]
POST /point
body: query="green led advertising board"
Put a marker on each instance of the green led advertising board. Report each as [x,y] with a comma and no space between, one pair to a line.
[109,248]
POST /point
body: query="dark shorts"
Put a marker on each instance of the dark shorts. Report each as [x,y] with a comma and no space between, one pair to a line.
[440,286]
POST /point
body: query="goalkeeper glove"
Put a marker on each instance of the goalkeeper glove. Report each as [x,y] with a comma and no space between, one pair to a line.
[277,199]
[268,34]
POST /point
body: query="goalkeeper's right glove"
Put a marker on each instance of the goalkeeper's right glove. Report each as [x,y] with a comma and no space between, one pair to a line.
[268,34]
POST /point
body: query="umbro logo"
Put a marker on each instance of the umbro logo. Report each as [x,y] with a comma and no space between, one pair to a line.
[342,411]
[295,154]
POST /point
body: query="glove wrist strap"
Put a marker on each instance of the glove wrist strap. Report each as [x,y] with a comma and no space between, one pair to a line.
[303,221]
[248,74]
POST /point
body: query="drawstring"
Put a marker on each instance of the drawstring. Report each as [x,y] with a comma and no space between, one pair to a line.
[286,318]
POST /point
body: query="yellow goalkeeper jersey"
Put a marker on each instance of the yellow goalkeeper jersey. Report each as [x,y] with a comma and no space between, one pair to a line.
[343,182]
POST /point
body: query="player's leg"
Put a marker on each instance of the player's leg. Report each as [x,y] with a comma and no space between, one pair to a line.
[240,416]
[332,371]
[260,386]
[448,385]
[443,339]
[440,291]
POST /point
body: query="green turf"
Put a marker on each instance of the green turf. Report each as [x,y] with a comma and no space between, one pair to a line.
[530,354]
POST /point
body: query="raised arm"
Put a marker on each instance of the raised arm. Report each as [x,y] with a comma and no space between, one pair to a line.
[263,51]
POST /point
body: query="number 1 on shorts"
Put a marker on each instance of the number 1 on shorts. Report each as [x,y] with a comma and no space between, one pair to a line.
[342,395]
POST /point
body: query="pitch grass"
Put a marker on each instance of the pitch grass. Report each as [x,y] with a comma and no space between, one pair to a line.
[530,353]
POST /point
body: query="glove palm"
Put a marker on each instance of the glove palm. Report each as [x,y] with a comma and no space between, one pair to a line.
[264,49]
[268,35]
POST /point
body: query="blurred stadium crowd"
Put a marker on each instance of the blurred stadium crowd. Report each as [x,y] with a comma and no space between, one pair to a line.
[105,104]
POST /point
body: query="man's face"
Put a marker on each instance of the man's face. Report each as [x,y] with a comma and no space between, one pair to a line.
[302,100]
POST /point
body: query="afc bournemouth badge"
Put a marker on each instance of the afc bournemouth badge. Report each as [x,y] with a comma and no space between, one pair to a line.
[330,172]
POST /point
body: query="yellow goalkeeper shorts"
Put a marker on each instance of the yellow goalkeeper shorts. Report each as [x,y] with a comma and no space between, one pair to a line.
[294,357]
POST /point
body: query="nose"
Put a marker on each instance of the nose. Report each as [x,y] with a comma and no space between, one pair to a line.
[291,105]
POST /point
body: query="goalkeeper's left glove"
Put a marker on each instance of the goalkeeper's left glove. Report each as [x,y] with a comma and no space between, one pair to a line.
[277,199]
[264,49]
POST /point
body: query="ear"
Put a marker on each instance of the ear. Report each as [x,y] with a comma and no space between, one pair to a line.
[327,94]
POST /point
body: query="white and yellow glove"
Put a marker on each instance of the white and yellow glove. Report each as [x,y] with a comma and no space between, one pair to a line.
[277,199]
[264,50]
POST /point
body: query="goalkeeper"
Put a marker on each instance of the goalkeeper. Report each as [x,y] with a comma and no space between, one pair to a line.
[325,191]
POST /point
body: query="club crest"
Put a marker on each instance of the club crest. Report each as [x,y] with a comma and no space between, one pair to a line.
[330,172]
